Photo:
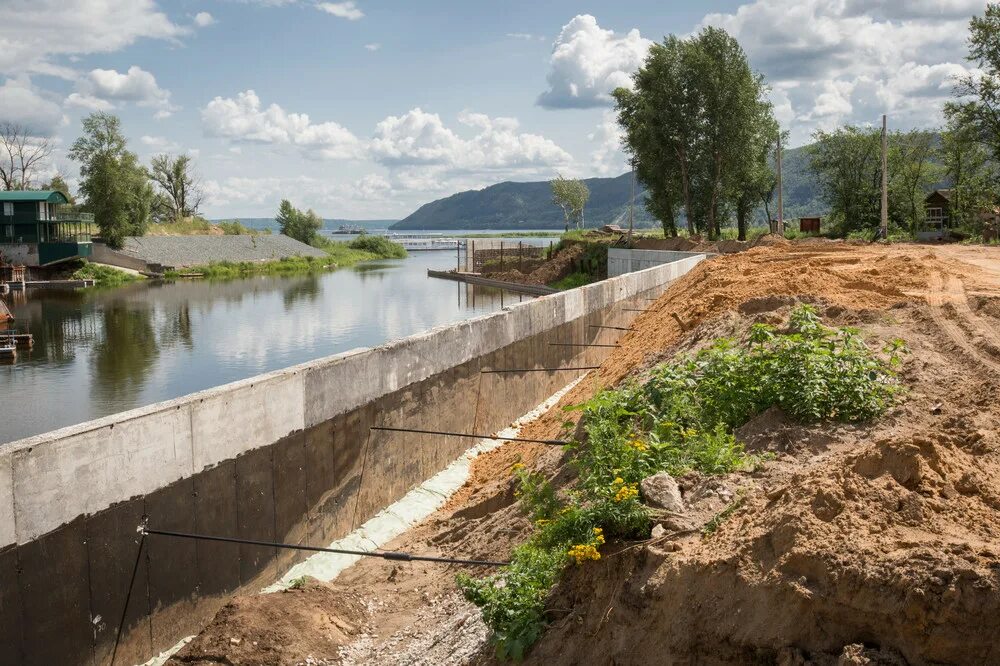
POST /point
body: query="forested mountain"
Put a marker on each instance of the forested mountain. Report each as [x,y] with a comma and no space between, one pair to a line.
[511,205]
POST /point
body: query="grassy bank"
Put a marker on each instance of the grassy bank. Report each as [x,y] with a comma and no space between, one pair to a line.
[339,255]
[104,276]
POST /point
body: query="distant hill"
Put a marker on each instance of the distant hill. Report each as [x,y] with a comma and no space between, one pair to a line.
[511,205]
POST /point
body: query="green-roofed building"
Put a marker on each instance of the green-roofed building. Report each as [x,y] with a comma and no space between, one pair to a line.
[40,228]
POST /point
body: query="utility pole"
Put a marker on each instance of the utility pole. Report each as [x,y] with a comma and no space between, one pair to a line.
[781,207]
[884,228]
[631,207]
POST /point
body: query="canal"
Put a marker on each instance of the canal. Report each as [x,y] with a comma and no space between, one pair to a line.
[99,352]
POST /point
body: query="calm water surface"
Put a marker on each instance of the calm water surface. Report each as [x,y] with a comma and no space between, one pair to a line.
[101,352]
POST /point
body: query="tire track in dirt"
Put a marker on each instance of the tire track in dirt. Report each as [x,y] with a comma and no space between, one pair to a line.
[944,291]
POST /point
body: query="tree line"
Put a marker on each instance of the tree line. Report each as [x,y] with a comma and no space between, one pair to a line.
[701,135]
[124,195]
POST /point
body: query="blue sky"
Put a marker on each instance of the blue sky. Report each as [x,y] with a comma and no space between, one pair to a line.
[368,109]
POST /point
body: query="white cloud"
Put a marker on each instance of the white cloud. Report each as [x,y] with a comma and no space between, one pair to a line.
[588,62]
[103,89]
[607,158]
[344,10]
[831,63]
[243,119]
[22,103]
[422,154]
[526,36]
[418,137]
[88,102]
[159,144]
[35,32]
[204,19]
[374,46]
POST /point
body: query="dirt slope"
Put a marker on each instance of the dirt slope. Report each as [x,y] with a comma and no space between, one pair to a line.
[860,544]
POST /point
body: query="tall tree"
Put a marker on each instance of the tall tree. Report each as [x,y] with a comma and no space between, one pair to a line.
[113,182]
[59,184]
[914,169]
[300,225]
[973,175]
[179,192]
[977,95]
[696,114]
[571,195]
[22,155]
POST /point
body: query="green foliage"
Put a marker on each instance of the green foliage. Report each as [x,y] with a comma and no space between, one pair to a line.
[571,196]
[236,228]
[301,225]
[104,276]
[681,418]
[848,165]
[977,95]
[573,280]
[379,246]
[699,127]
[178,193]
[115,185]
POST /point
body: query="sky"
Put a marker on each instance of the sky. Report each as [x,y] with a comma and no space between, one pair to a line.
[367,109]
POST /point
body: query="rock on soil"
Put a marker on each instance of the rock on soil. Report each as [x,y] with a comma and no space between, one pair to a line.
[662,492]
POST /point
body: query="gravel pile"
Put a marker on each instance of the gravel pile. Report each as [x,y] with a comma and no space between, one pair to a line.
[181,251]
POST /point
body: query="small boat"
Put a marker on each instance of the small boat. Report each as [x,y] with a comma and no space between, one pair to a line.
[10,338]
[8,351]
[349,229]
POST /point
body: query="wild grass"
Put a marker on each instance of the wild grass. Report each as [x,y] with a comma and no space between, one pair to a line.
[104,276]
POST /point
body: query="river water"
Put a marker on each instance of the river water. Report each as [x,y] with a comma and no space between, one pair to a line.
[98,352]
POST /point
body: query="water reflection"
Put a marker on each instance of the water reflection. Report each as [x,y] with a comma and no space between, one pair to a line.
[101,352]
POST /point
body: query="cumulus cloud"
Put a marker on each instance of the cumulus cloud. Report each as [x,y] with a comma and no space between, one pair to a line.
[835,62]
[588,62]
[607,157]
[104,89]
[375,46]
[244,119]
[34,33]
[344,10]
[159,144]
[203,19]
[418,137]
[22,103]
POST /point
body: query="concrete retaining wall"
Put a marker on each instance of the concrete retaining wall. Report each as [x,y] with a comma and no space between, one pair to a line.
[622,260]
[285,456]
[103,254]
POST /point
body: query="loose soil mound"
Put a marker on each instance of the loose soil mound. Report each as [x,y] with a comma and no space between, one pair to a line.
[548,272]
[855,544]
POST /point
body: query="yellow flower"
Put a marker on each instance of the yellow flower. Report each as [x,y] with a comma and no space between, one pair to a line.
[516,467]
[638,445]
[541,522]
[583,552]
[619,480]
[626,493]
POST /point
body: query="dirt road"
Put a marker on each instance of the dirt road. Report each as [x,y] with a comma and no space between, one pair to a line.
[877,542]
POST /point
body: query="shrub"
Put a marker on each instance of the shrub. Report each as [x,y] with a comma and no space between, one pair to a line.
[682,418]
[379,246]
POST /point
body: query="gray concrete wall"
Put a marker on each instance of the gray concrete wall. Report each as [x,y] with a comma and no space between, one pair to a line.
[102,254]
[285,456]
[25,254]
[622,260]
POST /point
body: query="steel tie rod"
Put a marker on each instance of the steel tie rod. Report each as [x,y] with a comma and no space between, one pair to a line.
[550,442]
[384,554]
[584,367]
[579,344]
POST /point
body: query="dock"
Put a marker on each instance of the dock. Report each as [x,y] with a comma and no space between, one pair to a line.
[52,284]
[477,279]
[8,352]
[11,339]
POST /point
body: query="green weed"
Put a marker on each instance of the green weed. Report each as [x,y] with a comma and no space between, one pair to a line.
[682,418]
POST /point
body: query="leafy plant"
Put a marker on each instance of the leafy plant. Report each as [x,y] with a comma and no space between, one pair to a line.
[682,418]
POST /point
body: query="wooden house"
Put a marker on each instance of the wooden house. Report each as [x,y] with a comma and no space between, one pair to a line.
[39,228]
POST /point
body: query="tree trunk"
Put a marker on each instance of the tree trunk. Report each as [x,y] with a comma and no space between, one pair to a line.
[682,161]
[741,221]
